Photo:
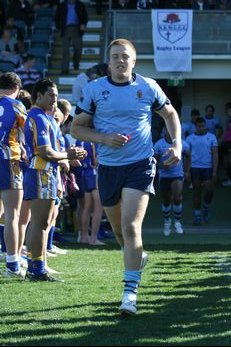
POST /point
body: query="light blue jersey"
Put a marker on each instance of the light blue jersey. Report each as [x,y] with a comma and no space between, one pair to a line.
[176,170]
[126,109]
[212,124]
[201,147]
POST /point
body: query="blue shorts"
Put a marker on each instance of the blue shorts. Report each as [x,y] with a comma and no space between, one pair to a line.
[201,174]
[165,182]
[112,179]
[79,180]
[11,174]
[89,183]
[40,184]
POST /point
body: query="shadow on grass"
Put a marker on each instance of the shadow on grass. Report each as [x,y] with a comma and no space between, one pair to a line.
[183,317]
[172,309]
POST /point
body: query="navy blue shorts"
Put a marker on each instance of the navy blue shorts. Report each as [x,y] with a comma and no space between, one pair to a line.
[112,179]
[89,183]
[165,182]
[79,180]
[201,174]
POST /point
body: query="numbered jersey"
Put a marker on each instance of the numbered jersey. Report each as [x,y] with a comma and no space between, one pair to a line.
[12,118]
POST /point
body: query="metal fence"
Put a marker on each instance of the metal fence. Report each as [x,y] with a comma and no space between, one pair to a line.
[211,30]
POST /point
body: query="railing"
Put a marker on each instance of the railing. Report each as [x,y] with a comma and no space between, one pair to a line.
[211,31]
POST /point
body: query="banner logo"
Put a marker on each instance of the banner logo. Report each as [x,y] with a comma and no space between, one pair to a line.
[172,26]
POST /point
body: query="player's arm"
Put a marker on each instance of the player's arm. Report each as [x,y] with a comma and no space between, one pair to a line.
[82,129]
[49,154]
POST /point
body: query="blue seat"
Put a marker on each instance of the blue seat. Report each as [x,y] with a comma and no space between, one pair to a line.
[41,54]
[6,66]
[41,26]
[42,39]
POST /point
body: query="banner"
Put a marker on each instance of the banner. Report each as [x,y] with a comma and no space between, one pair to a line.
[172,39]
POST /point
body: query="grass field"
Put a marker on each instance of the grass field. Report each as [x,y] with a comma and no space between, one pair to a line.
[184,298]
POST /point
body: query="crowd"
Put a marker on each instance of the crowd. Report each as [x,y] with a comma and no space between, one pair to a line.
[171,4]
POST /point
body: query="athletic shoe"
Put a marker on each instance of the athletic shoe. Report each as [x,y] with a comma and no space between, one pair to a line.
[226,183]
[167,227]
[50,270]
[51,253]
[128,305]
[197,220]
[18,275]
[46,277]
[59,250]
[23,262]
[144,261]
[178,227]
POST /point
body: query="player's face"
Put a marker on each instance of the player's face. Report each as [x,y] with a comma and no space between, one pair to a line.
[200,128]
[48,100]
[122,61]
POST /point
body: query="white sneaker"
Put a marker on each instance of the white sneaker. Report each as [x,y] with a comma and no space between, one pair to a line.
[178,228]
[51,271]
[144,261]
[59,250]
[226,183]
[167,227]
[128,305]
[20,275]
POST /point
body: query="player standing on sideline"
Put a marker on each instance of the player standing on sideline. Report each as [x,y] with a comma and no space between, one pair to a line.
[12,118]
[120,109]
[41,177]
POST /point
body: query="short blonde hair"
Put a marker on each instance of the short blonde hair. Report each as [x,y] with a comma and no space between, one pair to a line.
[121,42]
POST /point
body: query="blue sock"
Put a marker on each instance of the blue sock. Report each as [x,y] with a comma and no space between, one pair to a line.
[12,262]
[2,238]
[50,238]
[131,281]
[38,267]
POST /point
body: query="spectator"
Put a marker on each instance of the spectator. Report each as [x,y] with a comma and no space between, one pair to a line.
[123,4]
[71,20]
[144,4]
[16,32]
[203,171]
[200,5]
[9,50]
[21,11]
[29,76]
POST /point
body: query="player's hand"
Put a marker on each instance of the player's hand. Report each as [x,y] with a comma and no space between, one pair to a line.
[76,153]
[116,140]
[173,155]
